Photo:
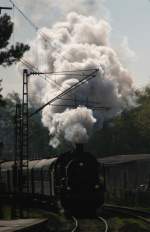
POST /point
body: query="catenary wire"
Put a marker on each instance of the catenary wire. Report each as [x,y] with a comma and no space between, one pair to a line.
[84,80]
[22,13]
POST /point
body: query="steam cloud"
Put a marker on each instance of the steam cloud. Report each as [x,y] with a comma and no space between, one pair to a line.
[79,43]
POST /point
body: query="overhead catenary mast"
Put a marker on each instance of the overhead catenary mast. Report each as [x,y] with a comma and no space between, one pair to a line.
[21,162]
[4,8]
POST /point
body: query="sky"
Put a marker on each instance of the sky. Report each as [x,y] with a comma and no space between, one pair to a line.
[130,34]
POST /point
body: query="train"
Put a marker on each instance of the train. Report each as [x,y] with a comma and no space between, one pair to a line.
[74,181]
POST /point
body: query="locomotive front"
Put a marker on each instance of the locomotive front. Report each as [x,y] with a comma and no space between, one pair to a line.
[79,182]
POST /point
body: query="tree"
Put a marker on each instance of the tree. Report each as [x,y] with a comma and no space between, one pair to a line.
[127,133]
[12,54]
[8,55]
[2,101]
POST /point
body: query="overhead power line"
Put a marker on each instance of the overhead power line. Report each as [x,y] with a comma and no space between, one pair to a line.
[36,28]
[76,85]
[25,17]
[72,72]
[34,69]
[45,37]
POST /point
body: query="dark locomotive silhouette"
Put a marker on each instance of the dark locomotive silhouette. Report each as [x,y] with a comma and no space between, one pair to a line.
[74,179]
[81,190]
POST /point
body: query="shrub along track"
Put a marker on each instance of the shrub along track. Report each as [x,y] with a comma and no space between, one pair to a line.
[126,211]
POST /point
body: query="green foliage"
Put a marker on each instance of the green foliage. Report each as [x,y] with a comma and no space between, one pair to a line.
[9,55]
[118,224]
[6,29]
[38,135]
[14,98]
[12,55]
[128,133]
[39,138]
[2,102]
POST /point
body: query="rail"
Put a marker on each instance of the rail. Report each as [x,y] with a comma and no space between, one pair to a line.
[79,228]
[105,223]
[76,224]
[140,214]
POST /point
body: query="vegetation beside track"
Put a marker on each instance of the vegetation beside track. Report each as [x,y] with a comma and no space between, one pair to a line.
[59,223]
[119,224]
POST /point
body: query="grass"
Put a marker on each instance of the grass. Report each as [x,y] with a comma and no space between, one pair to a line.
[117,224]
[6,213]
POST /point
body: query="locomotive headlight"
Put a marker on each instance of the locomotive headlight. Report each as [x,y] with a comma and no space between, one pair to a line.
[96,186]
[81,164]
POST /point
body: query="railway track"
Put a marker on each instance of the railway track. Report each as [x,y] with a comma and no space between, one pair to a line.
[76,224]
[105,223]
[127,211]
[98,224]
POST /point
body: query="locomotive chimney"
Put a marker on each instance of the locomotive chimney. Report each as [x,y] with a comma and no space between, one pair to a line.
[79,148]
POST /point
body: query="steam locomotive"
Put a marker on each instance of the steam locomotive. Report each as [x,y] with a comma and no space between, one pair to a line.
[74,179]
[81,190]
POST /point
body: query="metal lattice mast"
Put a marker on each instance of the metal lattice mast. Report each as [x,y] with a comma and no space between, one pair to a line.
[18,145]
[16,178]
[24,157]
[17,134]
[21,159]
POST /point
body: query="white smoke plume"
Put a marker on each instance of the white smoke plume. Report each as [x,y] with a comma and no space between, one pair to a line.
[79,43]
[58,9]
[74,125]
